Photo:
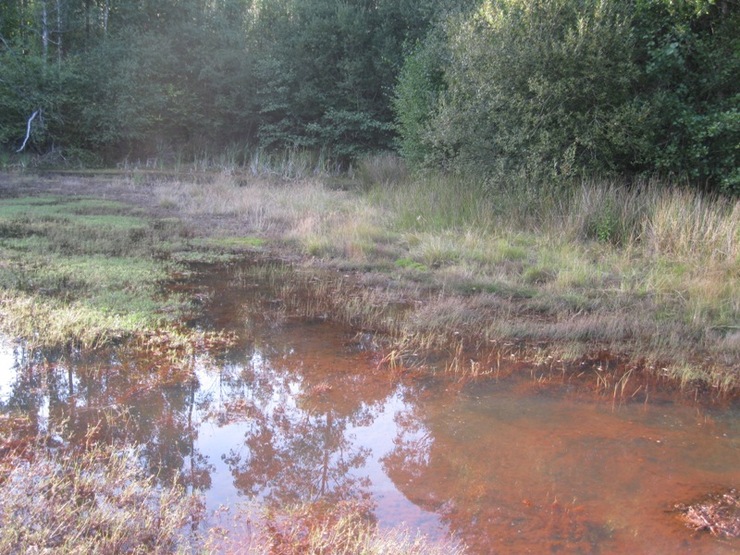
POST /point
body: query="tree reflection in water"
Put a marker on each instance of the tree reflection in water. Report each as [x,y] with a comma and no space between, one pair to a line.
[293,412]
[295,409]
[298,445]
[121,398]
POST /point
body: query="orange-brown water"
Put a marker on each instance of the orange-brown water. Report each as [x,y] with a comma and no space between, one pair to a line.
[298,411]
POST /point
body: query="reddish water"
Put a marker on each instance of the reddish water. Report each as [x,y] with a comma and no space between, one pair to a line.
[300,411]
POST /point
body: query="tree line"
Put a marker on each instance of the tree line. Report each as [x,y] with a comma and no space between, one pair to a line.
[548,89]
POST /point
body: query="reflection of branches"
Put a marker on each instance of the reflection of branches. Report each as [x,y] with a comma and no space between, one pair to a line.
[296,418]
[413,444]
[119,398]
[293,456]
[229,394]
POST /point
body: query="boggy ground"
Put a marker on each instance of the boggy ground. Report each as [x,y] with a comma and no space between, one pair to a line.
[628,293]
[91,264]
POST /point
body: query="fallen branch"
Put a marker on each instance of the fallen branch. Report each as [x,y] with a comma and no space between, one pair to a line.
[28,130]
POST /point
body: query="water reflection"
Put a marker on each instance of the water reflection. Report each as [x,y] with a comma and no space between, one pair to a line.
[538,473]
[295,411]
[300,417]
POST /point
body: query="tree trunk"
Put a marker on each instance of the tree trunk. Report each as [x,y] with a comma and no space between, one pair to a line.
[44,31]
[59,32]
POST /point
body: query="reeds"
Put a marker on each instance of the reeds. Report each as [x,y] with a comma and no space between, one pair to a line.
[340,528]
[96,501]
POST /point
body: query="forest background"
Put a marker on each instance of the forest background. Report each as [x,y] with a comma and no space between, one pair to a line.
[549,90]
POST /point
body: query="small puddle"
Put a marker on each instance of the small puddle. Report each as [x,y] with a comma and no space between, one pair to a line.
[299,411]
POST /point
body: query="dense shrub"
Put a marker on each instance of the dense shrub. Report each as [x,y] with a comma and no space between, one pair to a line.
[554,88]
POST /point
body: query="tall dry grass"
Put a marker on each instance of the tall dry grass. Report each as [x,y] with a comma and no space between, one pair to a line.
[320,220]
[97,502]
[649,270]
[690,226]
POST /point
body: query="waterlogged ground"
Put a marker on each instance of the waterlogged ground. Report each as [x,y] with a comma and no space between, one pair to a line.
[298,411]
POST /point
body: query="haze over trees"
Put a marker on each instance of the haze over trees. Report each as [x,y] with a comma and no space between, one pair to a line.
[547,89]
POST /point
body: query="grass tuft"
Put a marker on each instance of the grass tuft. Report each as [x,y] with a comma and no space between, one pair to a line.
[343,528]
[97,501]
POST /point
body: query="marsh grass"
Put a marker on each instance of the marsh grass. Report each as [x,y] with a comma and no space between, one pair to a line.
[319,527]
[382,170]
[95,501]
[82,270]
[319,221]
[100,500]
[344,528]
[646,271]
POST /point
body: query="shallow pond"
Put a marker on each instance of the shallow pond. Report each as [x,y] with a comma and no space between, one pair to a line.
[296,411]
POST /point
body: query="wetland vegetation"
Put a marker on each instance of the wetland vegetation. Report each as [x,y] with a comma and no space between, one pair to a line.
[504,201]
[645,277]
[428,279]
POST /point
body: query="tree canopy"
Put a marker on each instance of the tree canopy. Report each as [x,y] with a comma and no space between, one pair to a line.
[555,88]
[548,88]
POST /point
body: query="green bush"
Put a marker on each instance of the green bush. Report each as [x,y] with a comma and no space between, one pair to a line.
[553,89]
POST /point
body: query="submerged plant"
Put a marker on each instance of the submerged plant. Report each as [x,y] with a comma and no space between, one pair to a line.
[323,528]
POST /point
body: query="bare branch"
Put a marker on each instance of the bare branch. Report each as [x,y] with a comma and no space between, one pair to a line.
[28,130]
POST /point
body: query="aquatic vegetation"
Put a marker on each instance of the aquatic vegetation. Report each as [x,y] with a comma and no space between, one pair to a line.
[718,514]
[98,500]
[316,528]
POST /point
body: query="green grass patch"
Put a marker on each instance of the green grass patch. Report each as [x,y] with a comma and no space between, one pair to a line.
[82,270]
[230,243]
[409,264]
[204,257]
[46,206]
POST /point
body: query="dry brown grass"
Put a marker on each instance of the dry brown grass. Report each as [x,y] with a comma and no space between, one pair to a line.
[96,501]
[320,528]
[646,271]
[718,514]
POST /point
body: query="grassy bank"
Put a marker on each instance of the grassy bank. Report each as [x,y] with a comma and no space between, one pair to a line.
[82,271]
[647,273]
[555,274]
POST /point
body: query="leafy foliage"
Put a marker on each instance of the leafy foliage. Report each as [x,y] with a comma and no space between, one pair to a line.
[176,79]
[690,54]
[567,87]
[547,88]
